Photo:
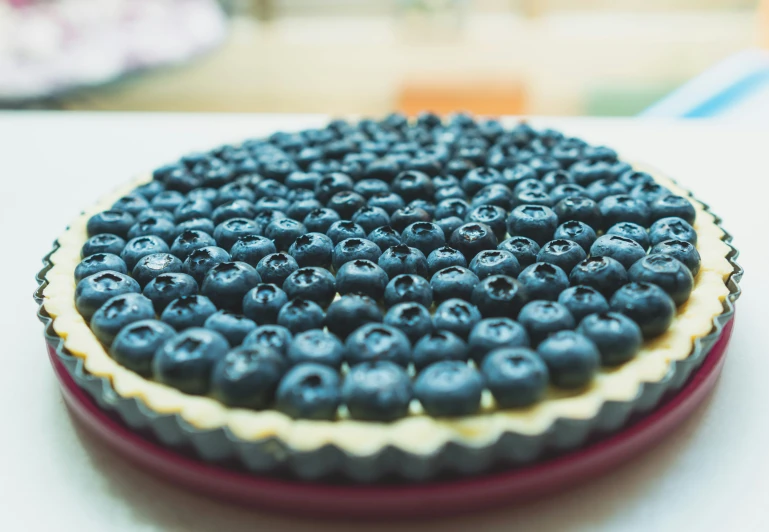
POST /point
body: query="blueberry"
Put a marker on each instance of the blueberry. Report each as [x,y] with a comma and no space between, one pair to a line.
[456,316]
[275,337]
[299,209]
[265,217]
[562,253]
[524,249]
[311,283]
[209,194]
[316,346]
[118,312]
[452,207]
[412,184]
[578,232]
[346,203]
[104,243]
[571,358]
[497,194]
[598,190]
[150,190]
[370,218]
[271,204]
[672,229]
[131,203]
[247,377]
[445,257]
[135,345]
[623,208]
[140,247]
[561,192]
[499,295]
[617,337]
[377,391]
[599,153]
[411,318]
[556,178]
[513,175]
[667,206]
[449,225]
[665,271]
[542,280]
[632,231]
[449,388]
[375,342]
[405,216]
[516,376]
[622,249]
[232,192]
[284,232]
[646,304]
[99,262]
[384,169]
[276,267]
[112,222]
[235,209]
[402,259]
[343,230]
[529,185]
[582,300]
[681,250]
[631,178]
[355,248]
[351,311]
[196,224]
[300,315]
[543,318]
[370,186]
[604,274]
[490,215]
[361,277]
[186,360]
[649,192]
[453,282]
[95,290]
[390,202]
[585,172]
[167,200]
[384,237]
[263,302]
[424,236]
[190,240]
[227,283]
[330,184]
[437,346]
[580,209]
[537,222]
[472,238]
[496,333]
[480,177]
[193,208]
[233,327]
[200,261]
[188,311]
[270,188]
[228,232]
[309,391]
[251,249]
[166,287]
[495,262]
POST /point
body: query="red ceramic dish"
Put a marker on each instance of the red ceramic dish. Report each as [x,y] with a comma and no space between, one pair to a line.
[399,501]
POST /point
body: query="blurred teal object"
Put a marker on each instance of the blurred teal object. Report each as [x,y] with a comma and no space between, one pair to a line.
[737,88]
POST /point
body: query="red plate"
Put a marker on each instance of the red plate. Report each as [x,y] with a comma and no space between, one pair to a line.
[398,501]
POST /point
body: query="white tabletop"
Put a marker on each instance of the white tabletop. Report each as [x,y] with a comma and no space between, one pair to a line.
[712,474]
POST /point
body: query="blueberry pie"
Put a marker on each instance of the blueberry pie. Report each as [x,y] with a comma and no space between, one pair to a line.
[389,298]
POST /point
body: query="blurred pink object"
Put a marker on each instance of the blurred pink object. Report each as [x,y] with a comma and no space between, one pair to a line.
[47,47]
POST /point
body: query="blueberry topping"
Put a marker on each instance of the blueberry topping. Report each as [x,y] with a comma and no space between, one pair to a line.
[453,282]
[632,231]
[117,312]
[112,222]
[309,391]
[103,243]
[199,262]
[251,249]
[672,229]
[604,274]
[275,337]
[355,248]
[135,345]
[582,300]
[542,280]
[578,232]
[166,287]
[646,304]
[99,262]
[424,236]
[276,267]
[403,259]
[536,222]
[543,318]
[229,231]
[376,341]
[524,249]
[351,311]
[188,241]
[620,248]
[405,216]
[617,337]
[411,318]
[385,237]
[300,315]
[311,283]
[445,257]
[623,208]
[562,253]
[681,250]
[437,346]
[449,388]
[247,377]
[666,206]
[227,283]
[495,333]
[515,376]
[95,290]
[499,295]
[668,273]
[571,358]
[186,360]
[187,312]
[316,346]
[495,262]
[377,391]
[140,247]
[456,316]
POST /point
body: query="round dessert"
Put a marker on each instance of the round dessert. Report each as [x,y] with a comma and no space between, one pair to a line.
[319,300]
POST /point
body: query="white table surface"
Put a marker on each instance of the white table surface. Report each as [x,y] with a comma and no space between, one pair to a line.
[712,474]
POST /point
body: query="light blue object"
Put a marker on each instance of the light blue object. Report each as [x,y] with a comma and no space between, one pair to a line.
[737,88]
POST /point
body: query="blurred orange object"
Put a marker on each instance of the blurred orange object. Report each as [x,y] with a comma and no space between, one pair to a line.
[763,22]
[489,98]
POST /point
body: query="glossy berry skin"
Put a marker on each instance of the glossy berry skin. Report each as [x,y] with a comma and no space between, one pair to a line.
[623,208]
[284,232]
[309,391]
[350,312]
[617,337]
[131,203]
[369,187]
[196,224]
[377,391]
[495,262]
[449,225]
[411,318]
[276,267]
[598,190]
[449,388]
[389,201]
[193,208]
[330,184]
[580,209]
[190,240]
[648,192]
[234,327]
[562,253]
[582,300]
[385,237]
[240,209]
[369,218]
[112,222]
[354,248]
[166,287]
[681,250]
[346,203]
[604,274]
[668,206]
[472,238]
[95,290]
[377,341]
[490,215]
[622,249]
[445,257]
[571,358]
[187,360]
[275,337]
[227,283]
[569,190]
[361,277]
[99,262]
[228,232]
[189,311]
[646,304]
[151,266]
[150,190]
[499,295]
[137,248]
[542,280]
[135,345]
[496,333]
[480,177]
[408,288]
[497,194]
[453,282]
[316,346]
[251,249]
[320,220]
[163,228]
[456,316]
[412,184]
[405,216]
[117,312]
[424,236]
[437,346]
[672,229]
[516,376]
[103,243]
[632,231]
[312,249]
[300,315]
[343,230]
[524,249]
[263,302]
[452,207]
[247,377]
[402,259]
[537,222]
[168,200]
[668,273]
[543,318]
[578,232]
[311,283]
[299,209]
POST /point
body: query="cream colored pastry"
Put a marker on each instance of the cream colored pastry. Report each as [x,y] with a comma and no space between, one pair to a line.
[417,433]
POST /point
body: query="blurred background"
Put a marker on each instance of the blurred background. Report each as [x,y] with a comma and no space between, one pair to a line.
[547,57]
